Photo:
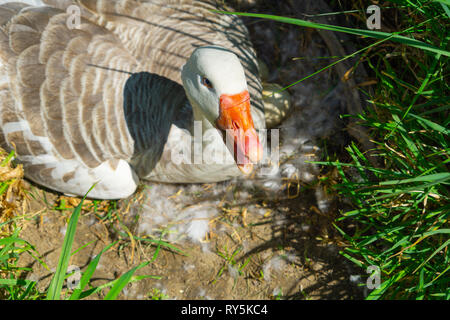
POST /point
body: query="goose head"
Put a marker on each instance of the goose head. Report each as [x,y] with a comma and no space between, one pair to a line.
[215,84]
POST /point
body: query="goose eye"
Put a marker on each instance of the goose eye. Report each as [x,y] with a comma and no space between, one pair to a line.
[207,83]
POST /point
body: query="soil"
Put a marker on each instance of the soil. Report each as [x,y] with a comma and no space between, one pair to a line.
[287,246]
[290,253]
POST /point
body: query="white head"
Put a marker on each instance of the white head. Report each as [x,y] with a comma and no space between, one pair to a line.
[215,83]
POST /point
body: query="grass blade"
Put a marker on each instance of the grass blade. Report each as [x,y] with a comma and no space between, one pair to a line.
[123,281]
[87,275]
[54,291]
[92,291]
[360,32]
[15,282]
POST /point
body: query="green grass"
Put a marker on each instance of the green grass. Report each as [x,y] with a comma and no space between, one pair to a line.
[400,207]
[11,285]
[230,262]
[157,294]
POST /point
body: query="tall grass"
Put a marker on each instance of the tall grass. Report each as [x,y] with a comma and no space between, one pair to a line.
[401,208]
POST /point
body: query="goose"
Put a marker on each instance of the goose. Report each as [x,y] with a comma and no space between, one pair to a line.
[103,91]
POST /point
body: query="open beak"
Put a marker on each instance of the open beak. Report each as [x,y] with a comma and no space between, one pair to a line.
[240,134]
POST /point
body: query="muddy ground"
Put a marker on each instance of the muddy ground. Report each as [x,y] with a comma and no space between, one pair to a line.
[286,244]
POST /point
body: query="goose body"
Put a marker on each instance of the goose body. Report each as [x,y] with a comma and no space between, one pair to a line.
[105,102]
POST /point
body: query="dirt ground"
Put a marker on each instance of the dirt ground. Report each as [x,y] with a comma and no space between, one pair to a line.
[289,251]
[286,244]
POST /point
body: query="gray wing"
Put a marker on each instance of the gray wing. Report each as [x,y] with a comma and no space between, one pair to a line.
[162,34]
[61,98]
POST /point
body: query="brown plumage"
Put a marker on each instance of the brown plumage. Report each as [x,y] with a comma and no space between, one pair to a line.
[62,90]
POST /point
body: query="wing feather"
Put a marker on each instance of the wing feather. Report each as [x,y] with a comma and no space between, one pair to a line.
[62,98]
[162,34]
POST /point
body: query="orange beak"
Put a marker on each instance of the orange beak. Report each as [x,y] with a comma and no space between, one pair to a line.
[240,134]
